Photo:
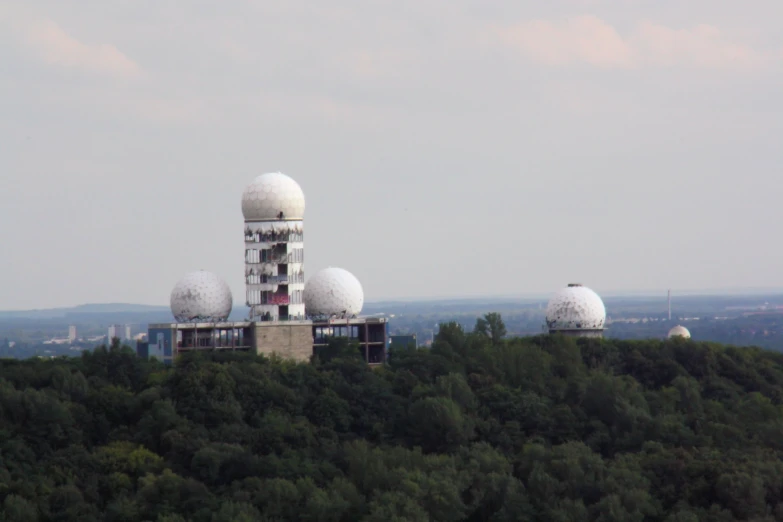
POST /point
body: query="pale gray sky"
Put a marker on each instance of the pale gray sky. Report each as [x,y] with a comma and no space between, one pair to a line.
[446,147]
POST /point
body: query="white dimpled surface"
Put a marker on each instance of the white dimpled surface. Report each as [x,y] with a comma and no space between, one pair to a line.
[333,291]
[269,195]
[575,308]
[679,331]
[201,297]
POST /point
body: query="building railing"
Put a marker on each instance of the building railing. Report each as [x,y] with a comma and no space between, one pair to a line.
[282,279]
[285,279]
[260,257]
[282,237]
[272,319]
[191,346]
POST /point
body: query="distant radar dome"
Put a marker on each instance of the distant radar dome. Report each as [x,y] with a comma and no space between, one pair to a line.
[333,291]
[272,197]
[201,296]
[575,307]
[679,331]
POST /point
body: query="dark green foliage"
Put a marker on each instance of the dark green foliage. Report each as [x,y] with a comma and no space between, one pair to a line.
[479,428]
[492,326]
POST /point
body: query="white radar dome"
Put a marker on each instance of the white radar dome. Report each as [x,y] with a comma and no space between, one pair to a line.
[273,196]
[201,297]
[679,331]
[333,291]
[575,307]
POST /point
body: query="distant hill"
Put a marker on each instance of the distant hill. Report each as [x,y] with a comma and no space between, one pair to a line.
[104,309]
[109,308]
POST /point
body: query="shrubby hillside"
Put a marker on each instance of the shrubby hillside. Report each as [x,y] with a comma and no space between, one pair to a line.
[478,428]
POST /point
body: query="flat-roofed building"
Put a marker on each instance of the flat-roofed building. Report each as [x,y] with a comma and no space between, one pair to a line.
[370,333]
[289,339]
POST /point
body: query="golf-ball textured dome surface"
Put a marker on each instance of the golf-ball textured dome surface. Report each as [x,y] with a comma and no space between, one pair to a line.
[201,297]
[679,331]
[269,195]
[333,291]
[575,308]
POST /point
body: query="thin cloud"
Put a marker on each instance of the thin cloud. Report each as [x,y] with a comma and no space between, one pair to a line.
[57,47]
[702,46]
[590,40]
[585,39]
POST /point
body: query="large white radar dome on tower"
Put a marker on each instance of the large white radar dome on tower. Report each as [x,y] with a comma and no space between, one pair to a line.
[333,291]
[575,307]
[201,296]
[273,197]
[679,331]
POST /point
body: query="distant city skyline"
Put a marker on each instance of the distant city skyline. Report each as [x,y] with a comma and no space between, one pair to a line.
[445,149]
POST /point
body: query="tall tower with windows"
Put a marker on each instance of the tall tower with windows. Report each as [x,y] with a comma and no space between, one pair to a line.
[273,206]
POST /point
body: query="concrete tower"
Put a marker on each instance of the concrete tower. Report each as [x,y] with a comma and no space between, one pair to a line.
[273,206]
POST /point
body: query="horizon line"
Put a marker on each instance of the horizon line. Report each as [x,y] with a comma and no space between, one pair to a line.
[714,292]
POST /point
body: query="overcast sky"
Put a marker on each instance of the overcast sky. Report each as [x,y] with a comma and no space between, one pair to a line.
[445,147]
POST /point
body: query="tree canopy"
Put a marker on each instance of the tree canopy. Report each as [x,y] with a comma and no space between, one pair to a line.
[478,428]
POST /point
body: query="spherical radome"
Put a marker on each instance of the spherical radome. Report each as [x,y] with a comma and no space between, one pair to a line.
[333,291]
[679,331]
[271,194]
[575,307]
[201,297]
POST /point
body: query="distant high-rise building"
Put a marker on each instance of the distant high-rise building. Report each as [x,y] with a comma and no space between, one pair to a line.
[120,331]
[72,333]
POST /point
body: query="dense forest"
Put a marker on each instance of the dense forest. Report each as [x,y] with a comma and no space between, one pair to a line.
[480,427]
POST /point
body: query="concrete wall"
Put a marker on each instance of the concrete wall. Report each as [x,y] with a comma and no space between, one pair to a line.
[289,340]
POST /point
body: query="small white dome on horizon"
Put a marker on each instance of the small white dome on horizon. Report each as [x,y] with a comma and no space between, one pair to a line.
[270,195]
[201,296]
[679,331]
[333,291]
[575,307]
